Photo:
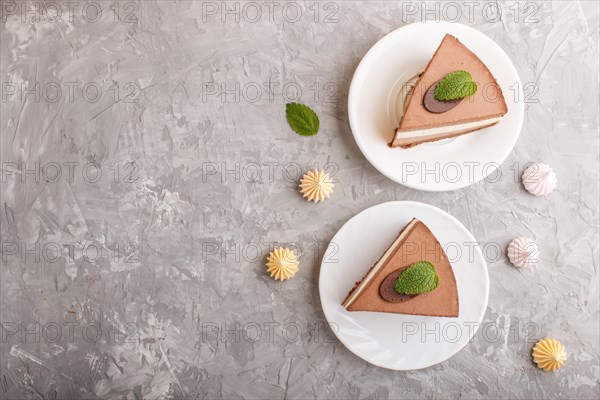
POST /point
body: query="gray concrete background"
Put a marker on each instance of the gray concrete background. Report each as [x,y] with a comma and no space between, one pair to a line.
[163,253]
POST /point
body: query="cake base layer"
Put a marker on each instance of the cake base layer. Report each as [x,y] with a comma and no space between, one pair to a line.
[411,142]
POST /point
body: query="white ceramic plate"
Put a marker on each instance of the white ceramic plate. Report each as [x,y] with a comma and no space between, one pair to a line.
[376,98]
[395,341]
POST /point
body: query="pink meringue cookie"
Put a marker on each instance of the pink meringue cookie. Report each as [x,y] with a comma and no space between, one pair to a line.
[539,179]
[523,252]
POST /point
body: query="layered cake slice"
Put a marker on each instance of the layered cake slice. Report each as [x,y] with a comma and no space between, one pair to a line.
[413,276]
[471,98]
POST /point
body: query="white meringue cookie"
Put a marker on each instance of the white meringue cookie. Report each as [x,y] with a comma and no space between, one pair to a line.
[523,252]
[539,179]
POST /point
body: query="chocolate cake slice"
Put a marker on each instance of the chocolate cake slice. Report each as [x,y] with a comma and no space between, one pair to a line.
[415,243]
[483,109]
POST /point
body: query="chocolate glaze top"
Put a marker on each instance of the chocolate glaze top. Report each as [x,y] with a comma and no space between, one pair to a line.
[436,106]
[387,291]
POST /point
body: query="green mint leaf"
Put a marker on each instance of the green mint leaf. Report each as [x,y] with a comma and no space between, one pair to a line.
[419,278]
[302,119]
[454,86]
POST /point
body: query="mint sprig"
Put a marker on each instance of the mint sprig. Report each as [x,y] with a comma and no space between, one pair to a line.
[454,86]
[302,119]
[419,278]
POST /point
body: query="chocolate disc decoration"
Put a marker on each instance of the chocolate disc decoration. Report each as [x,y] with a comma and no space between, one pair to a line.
[387,291]
[437,106]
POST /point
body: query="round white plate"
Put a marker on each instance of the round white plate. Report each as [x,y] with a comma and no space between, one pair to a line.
[396,341]
[375,103]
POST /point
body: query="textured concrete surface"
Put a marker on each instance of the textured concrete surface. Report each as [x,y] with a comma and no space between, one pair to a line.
[148,175]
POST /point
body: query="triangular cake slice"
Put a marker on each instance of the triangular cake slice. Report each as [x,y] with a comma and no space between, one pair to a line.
[481,110]
[415,243]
